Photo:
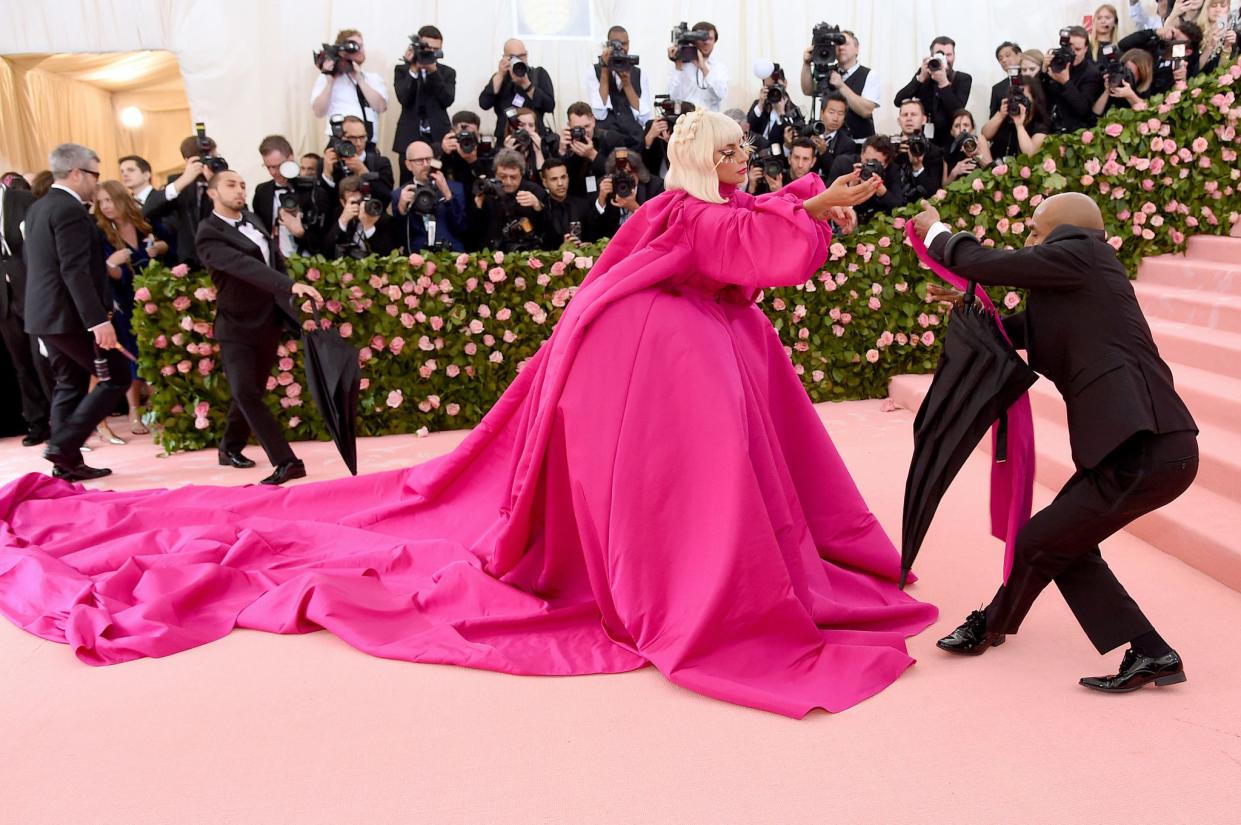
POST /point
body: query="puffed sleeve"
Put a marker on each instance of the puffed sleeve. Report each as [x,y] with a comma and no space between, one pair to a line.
[766,241]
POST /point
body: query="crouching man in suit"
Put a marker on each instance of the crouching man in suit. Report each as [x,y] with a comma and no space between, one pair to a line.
[1134,442]
[254,308]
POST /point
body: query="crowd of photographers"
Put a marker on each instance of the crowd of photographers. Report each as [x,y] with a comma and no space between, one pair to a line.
[528,186]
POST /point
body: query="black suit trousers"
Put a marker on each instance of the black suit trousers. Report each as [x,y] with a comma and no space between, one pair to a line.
[75,412]
[247,365]
[1061,542]
[34,377]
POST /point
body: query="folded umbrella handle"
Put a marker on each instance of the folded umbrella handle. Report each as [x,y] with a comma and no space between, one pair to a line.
[969,297]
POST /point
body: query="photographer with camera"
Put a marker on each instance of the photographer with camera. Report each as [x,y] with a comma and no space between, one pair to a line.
[183,203]
[523,137]
[697,77]
[617,92]
[875,161]
[1072,82]
[466,152]
[569,219]
[425,88]
[343,88]
[292,208]
[349,154]
[659,129]
[507,211]
[1008,55]
[585,147]
[857,84]
[768,170]
[1174,48]
[941,88]
[516,85]
[919,163]
[363,226]
[433,207]
[829,134]
[773,110]
[1127,80]
[969,151]
[626,185]
[1023,121]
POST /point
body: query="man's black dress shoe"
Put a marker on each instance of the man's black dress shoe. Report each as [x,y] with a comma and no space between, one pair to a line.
[971,638]
[80,472]
[1137,671]
[35,437]
[235,460]
[287,471]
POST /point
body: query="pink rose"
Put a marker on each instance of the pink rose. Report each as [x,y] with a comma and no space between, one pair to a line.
[346,329]
[873,303]
[150,308]
[160,342]
[142,294]
[1049,166]
[378,342]
[1087,137]
[1000,170]
[977,185]
[293,390]
[167,370]
[416,260]
[471,348]
[975,208]
[1093,166]
[201,423]
[558,268]
[872,355]
[1200,145]
[503,314]
[1011,300]
[1021,193]
[180,270]
[452,370]
[184,367]
[928,338]
[395,397]
[181,303]
[495,357]
[1113,130]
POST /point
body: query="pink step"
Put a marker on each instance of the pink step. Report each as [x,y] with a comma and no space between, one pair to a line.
[1209,349]
[1193,273]
[1199,528]
[1190,306]
[1215,248]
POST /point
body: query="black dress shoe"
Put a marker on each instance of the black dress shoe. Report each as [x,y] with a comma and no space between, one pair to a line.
[63,459]
[971,638]
[1137,671]
[235,460]
[287,471]
[35,437]
[80,472]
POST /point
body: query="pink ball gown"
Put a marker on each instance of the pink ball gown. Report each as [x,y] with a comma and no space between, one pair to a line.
[655,487]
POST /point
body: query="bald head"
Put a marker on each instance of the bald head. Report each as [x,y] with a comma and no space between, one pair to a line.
[1072,208]
[418,157]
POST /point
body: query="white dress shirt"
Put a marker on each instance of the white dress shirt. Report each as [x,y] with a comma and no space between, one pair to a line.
[288,244]
[250,231]
[142,194]
[344,98]
[708,92]
[602,108]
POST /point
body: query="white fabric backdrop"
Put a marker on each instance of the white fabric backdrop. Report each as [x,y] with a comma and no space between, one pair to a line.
[248,71]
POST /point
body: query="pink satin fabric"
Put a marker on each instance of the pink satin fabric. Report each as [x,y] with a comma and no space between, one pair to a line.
[1012,481]
[654,487]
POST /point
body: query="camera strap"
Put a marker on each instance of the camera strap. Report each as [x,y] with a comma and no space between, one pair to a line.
[362,104]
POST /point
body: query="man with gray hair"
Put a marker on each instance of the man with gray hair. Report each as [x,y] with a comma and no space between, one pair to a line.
[67,307]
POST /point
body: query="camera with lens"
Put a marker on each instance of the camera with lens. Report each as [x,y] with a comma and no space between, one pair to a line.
[871,168]
[424,53]
[1116,74]
[426,196]
[488,188]
[519,68]
[623,180]
[813,128]
[618,59]
[686,40]
[1017,97]
[467,141]
[1062,56]
[341,57]
[824,40]
[916,144]
[342,147]
[938,61]
[771,160]
[965,144]
[671,110]
[212,162]
[518,235]
[372,205]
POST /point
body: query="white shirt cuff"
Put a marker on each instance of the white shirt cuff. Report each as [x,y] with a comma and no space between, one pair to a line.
[935,231]
[170,191]
[97,326]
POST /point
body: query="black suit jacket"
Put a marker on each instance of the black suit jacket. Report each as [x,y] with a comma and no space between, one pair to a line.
[559,214]
[1084,330]
[423,100]
[1072,103]
[183,214]
[66,278]
[13,268]
[381,187]
[250,294]
[541,97]
[325,205]
[939,103]
[998,93]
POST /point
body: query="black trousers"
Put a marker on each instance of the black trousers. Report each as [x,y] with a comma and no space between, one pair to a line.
[34,373]
[75,412]
[247,364]
[1061,542]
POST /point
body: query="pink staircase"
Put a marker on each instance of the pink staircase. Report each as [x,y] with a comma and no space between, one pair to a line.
[1193,304]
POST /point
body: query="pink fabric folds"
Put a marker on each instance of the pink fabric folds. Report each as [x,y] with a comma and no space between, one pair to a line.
[654,487]
[1012,481]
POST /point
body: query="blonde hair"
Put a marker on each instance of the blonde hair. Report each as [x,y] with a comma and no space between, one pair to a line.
[1095,42]
[691,153]
[1212,35]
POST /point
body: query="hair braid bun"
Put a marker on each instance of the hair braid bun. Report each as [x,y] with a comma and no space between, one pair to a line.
[687,126]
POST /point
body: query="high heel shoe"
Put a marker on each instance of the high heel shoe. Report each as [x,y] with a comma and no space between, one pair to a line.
[136,426]
[105,433]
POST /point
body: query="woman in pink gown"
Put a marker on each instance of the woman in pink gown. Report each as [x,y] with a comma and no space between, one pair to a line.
[655,487]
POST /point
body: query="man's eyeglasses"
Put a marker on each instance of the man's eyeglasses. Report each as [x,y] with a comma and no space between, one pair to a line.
[418,161]
[91,172]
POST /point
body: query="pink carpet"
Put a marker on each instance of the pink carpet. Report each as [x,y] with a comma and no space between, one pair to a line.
[274,729]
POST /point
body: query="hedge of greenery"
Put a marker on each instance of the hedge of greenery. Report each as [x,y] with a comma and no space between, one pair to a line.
[441,336]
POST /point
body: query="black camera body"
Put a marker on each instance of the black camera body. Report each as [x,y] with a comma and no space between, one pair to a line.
[1116,73]
[577,134]
[771,160]
[871,168]
[426,197]
[519,68]
[341,57]
[343,148]
[824,40]
[671,110]
[1062,56]
[938,61]
[619,60]
[488,188]
[916,144]
[424,53]
[812,128]
[467,141]
[686,40]
[1017,97]
[212,162]
[965,144]
[372,205]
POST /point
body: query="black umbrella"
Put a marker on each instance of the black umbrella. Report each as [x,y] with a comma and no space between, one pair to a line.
[334,378]
[979,376]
